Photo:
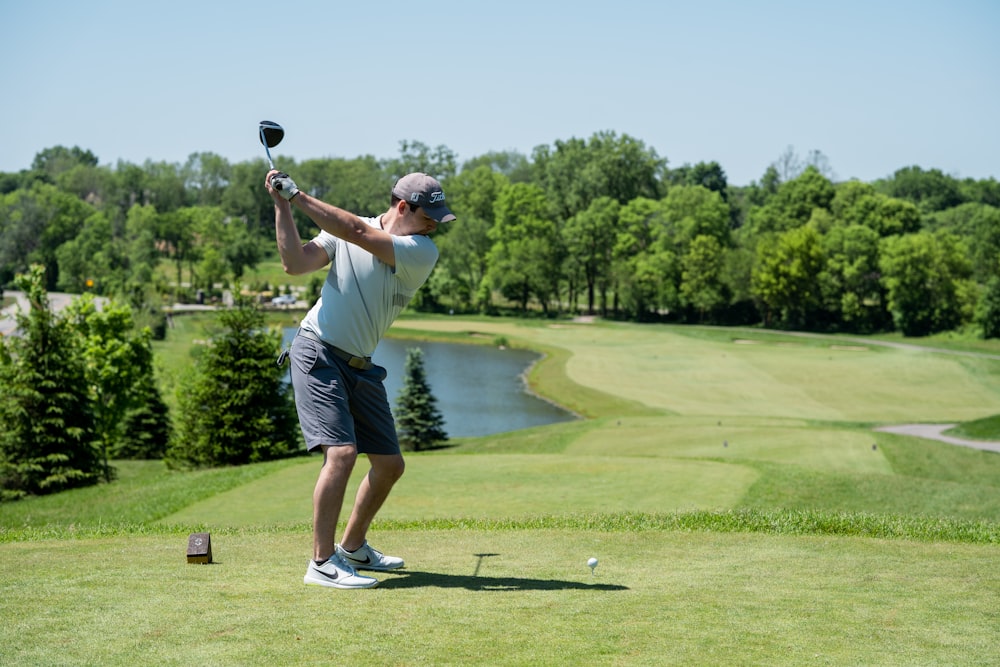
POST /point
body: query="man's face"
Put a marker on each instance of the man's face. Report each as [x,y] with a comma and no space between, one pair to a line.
[418,222]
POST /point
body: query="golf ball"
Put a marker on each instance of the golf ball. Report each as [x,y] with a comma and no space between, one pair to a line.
[592,563]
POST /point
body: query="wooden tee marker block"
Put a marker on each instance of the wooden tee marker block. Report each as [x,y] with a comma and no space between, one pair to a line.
[199,548]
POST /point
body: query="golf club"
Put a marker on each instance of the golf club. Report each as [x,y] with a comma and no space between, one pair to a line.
[271,135]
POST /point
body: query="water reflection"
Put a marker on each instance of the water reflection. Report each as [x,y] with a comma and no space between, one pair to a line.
[479,389]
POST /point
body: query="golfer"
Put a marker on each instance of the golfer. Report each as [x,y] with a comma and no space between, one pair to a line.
[376,266]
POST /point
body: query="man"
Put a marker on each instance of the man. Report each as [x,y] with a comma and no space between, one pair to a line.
[376,266]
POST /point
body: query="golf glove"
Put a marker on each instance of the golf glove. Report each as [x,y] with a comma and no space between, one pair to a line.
[284,184]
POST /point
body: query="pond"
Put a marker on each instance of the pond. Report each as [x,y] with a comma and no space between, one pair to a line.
[480,390]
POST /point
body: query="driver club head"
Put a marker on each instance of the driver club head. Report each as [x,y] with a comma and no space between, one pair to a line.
[271,135]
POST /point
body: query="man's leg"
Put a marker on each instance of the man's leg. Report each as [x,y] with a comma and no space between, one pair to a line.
[372,492]
[328,497]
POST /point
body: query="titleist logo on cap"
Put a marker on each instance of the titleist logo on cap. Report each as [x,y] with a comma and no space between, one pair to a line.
[426,192]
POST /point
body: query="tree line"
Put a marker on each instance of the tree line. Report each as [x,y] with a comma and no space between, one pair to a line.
[599,225]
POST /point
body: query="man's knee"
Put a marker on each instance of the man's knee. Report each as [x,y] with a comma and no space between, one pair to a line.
[338,457]
[390,468]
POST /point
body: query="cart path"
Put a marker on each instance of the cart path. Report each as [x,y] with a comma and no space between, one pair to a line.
[936,432]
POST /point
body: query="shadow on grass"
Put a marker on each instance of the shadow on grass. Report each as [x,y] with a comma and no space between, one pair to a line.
[410,579]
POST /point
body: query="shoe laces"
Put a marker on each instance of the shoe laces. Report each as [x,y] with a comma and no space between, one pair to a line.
[339,561]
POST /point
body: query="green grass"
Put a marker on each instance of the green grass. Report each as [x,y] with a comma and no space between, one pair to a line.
[506,596]
[743,509]
[987,428]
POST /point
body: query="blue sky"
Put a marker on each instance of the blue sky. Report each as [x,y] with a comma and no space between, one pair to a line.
[875,85]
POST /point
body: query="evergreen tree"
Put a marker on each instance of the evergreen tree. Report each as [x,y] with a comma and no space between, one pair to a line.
[146,429]
[47,429]
[234,407]
[418,421]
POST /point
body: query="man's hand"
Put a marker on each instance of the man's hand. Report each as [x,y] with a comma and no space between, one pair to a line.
[284,184]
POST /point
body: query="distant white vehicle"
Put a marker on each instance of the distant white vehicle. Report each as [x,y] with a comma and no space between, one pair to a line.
[283,300]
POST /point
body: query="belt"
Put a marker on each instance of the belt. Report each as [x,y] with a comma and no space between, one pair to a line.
[360,363]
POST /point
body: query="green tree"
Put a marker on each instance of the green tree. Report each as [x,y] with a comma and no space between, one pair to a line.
[140,244]
[513,165]
[737,268]
[418,421]
[33,223]
[464,245]
[709,175]
[146,429]
[360,185]
[793,204]
[979,226]
[527,248]
[758,194]
[234,407]
[645,267]
[161,184]
[577,172]
[859,203]
[440,162]
[47,428]
[246,199]
[589,238]
[985,191]
[930,190]
[59,159]
[92,184]
[701,275]
[206,177]
[988,310]
[119,366]
[785,278]
[212,230]
[851,281]
[691,211]
[924,276]
[89,260]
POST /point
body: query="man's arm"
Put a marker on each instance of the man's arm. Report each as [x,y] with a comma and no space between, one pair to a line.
[342,224]
[347,226]
[296,258]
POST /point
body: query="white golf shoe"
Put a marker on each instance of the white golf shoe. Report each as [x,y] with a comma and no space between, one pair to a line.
[368,558]
[335,573]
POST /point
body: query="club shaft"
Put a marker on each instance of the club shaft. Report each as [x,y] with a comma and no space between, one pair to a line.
[266,148]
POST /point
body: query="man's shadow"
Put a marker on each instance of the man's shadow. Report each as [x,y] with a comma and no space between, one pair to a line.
[474,582]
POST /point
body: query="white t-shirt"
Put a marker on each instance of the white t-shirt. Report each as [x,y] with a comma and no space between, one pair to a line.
[362,295]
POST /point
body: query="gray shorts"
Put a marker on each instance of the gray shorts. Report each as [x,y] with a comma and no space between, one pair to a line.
[338,404]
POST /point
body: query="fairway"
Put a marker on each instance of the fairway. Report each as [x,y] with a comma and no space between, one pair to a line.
[743,508]
[741,375]
[739,439]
